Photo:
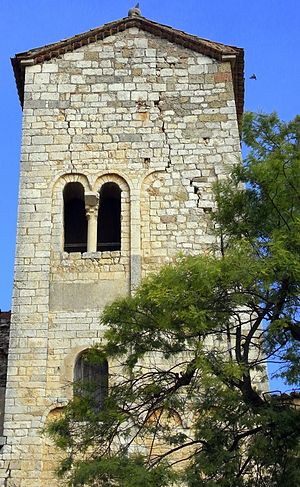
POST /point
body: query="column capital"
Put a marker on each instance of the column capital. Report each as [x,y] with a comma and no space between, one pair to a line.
[91,211]
[91,198]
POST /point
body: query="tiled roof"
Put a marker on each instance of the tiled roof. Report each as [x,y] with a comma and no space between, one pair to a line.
[220,52]
[5,315]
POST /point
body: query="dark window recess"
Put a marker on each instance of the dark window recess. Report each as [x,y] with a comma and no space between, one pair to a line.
[75,222]
[91,379]
[109,218]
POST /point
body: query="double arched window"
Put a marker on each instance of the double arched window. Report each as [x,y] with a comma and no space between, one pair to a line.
[92,221]
[91,379]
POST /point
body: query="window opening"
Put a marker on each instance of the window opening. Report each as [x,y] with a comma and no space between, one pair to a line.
[91,379]
[75,222]
[109,218]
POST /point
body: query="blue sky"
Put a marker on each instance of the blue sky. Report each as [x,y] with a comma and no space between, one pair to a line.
[268,30]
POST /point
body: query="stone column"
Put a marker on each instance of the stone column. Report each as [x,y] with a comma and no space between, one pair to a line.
[135,244]
[91,208]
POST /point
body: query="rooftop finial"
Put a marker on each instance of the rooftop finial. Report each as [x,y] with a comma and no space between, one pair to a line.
[135,11]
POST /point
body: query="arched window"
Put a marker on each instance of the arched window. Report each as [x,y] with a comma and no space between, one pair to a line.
[91,378]
[75,222]
[109,218]
[164,416]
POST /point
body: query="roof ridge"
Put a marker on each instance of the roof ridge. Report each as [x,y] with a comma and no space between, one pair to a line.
[115,23]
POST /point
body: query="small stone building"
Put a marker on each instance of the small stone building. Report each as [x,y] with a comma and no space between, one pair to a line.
[4,340]
[125,130]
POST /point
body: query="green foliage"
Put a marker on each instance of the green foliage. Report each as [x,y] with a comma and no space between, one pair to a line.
[185,350]
[119,470]
[265,212]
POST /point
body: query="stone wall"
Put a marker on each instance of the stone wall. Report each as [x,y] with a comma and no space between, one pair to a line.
[160,121]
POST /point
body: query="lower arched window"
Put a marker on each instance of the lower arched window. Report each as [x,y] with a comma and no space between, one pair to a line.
[109,218]
[75,222]
[91,378]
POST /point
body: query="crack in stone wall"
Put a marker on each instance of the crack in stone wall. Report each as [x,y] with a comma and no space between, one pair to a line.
[164,130]
[69,132]
[8,476]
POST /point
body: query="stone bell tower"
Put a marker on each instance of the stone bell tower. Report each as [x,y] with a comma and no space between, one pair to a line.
[125,129]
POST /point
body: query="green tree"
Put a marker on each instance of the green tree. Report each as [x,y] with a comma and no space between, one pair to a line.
[189,350]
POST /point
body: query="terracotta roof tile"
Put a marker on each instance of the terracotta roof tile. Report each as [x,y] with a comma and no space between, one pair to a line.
[5,315]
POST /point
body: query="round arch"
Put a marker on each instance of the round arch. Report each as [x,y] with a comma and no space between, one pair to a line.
[58,205]
[113,232]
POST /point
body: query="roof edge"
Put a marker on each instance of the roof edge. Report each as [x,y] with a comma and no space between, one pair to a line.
[218,51]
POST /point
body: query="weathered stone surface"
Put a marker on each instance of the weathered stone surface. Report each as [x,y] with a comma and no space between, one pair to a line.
[69,296]
[159,121]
